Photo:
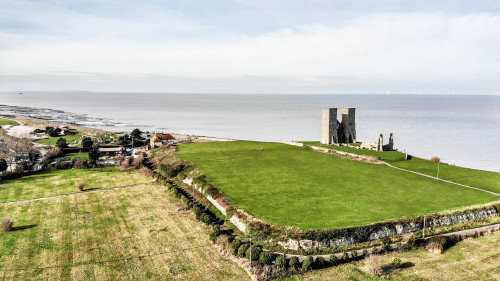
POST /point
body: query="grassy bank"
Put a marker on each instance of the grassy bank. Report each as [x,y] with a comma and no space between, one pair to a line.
[4,122]
[294,186]
[139,233]
[65,182]
[473,259]
[477,178]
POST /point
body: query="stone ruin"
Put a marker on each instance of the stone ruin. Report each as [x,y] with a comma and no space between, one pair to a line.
[333,131]
[379,145]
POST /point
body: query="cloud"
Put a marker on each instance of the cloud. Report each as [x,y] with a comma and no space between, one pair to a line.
[377,51]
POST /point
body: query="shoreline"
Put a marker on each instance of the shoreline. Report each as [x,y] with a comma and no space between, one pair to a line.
[102,125]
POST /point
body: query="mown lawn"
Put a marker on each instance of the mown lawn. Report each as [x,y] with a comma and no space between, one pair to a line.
[83,155]
[477,178]
[296,186]
[71,139]
[472,259]
[65,182]
[4,122]
[127,234]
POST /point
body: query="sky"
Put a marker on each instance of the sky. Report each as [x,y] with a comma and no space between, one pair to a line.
[257,46]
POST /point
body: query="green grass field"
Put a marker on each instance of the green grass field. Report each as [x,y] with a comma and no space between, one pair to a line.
[65,182]
[472,259]
[294,186]
[136,233]
[83,155]
[4,121]
[71,139]
[477,178]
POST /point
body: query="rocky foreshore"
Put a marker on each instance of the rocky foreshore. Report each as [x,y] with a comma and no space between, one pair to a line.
[56,116]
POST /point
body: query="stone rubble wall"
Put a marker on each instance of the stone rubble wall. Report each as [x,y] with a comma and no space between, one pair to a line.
[238,223]
[210,198]
[397,229]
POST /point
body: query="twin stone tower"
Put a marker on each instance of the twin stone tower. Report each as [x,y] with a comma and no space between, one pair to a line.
[333,131]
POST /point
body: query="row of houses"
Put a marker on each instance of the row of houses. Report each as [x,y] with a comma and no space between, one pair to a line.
[157,140]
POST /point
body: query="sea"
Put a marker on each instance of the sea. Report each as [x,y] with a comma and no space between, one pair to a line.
[460,129]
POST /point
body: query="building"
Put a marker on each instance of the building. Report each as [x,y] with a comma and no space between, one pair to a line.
[159,140]
[111,151]
[333,131]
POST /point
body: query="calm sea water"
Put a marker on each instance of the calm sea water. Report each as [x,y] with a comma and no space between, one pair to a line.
[461,130]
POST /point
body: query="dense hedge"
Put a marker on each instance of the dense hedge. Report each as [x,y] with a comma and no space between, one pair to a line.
[243,249]
[266,258]
[253,252]
[281,262]
[359,234]
[294,263]
[307,263]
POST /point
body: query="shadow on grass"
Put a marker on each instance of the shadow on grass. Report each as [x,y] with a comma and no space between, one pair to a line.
[90,189]
[389,269]
[28,226]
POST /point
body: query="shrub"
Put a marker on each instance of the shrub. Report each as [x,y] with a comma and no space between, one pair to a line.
[205,218]
[146,172]
[354,253]
[7,224]
[294,263]
[81,186]
[280,262]
[307,263]
[320,262]
[437,244]
[63,165]
[365,252]
[396,262]
[235,245]
[215,233]
[242,250]
[80,164]
[266,258]
[253,252]
[333,260]
[374,264]
[345,256]
[435,159]
[374,249]
[386,247]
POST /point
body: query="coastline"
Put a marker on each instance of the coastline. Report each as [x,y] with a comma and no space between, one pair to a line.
[198,131]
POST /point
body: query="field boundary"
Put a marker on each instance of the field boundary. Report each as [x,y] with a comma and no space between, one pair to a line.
[75,193]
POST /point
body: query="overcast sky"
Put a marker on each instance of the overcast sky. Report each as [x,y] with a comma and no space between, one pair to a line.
[251,46]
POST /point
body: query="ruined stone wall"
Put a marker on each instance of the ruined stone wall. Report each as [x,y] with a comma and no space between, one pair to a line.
[329,126]
[348,125]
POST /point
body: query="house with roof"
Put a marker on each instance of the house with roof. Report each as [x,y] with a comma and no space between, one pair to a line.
[159,140]
[111,151]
